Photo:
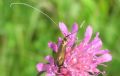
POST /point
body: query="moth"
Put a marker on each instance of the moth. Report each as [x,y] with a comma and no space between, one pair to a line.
[61,52]
[60,55]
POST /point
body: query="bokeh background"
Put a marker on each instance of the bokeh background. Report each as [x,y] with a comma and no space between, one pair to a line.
[25,32]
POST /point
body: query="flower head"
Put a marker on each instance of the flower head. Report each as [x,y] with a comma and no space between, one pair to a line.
[80,60]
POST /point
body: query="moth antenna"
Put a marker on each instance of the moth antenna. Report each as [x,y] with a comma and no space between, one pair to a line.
[70,34]
[34,9]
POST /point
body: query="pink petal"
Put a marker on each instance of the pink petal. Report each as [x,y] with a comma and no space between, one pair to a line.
[72,36]
[98,52]
[63,28]
[59,41]
[49,74]
[74,28]
[96,44]
[53,46]
[50,59]
[71,42]
[105,58]
[41,67]
[88,34]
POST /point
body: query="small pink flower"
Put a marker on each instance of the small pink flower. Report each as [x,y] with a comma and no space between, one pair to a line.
[80,60]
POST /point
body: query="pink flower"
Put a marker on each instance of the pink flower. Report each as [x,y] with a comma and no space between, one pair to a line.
[80,60]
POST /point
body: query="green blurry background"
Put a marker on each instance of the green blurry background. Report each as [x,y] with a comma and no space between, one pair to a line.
[24,32]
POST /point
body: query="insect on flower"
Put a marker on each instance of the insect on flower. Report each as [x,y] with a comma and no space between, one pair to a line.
[82,60]
[61,51]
